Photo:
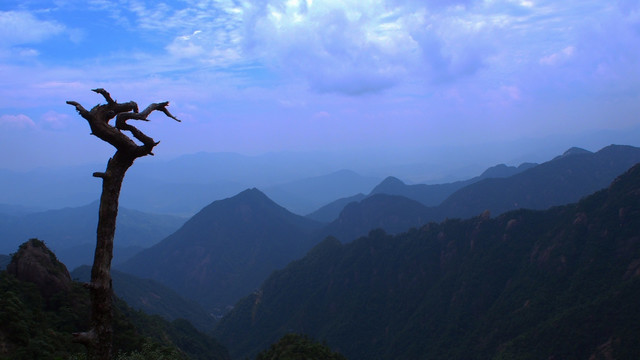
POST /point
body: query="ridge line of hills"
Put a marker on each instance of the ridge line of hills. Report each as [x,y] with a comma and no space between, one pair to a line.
[528,284]
[232,245]
[505,284]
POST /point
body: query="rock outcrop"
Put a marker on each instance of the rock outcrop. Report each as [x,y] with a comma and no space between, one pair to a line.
[35,263]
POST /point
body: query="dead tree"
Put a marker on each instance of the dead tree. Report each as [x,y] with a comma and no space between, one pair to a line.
[98,339]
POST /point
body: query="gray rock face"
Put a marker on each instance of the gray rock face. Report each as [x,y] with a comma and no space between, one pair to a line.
[35,263]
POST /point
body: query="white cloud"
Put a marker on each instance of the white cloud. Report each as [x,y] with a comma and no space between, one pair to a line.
[19,121]
[20,27]
[349,47]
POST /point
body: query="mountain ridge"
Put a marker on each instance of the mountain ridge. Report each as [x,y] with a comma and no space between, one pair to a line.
[504,287]
[559,181]
[226,250]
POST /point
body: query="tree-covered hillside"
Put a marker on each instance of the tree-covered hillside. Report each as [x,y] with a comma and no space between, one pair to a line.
[561,283]
[153,298]
[41,307]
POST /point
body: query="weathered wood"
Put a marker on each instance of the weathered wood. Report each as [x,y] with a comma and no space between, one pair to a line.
[99,338]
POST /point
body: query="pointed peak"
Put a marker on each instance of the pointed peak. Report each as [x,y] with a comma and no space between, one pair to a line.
[390,184]
[496,171]
[576,151]
[251,192]
[393,179]
[251,197]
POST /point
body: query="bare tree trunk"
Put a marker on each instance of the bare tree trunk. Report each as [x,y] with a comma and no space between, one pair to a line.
[99,338]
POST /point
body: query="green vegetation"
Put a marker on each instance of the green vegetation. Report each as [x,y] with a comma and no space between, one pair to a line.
[30,328]
[296,347]
[36,324]
[562,283]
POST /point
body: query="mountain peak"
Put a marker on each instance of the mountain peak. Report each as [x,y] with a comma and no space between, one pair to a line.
[251,193]
[389,185]
[496,171]
[252,196]
[576,151]
[226,250]
[35,263]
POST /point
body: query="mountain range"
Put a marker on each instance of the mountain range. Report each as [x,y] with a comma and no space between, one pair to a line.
[226,250]
[71,232]
[432,195]
[230,247]
[562,180]
[180,186]
[306,195]
[558,283]
[383,279]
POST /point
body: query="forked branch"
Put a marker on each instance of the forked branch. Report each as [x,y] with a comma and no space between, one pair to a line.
[100,115]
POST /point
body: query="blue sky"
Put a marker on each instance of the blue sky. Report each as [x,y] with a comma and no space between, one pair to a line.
[308,75]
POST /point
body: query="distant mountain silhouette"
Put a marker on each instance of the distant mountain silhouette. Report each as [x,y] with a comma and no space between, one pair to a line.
[563,180]
[304,196]
[503,171]
[558,283]
[153,298]
[180,198]
[428,195]
[330,212]
[433,195]
[574,151]
[390,212]
[16,210]
[226,250]
[71,232]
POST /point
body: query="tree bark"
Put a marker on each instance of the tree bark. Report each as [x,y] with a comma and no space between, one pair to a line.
[99,338]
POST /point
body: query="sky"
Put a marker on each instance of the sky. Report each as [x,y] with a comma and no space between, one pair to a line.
[310,75]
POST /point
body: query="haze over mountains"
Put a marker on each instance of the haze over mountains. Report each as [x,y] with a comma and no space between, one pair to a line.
[71,232]
[184,185]
[380,269]
[231,246]
[226,250]
[561,180]
[560,283]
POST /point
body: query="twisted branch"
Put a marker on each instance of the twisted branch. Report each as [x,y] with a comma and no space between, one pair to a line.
[100,115]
